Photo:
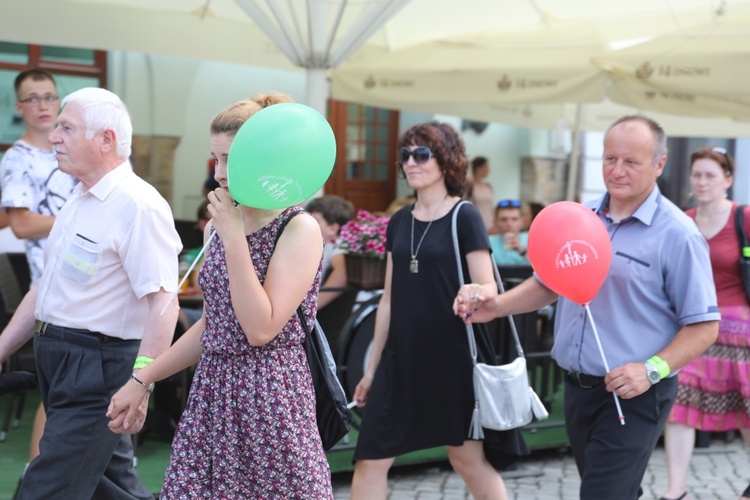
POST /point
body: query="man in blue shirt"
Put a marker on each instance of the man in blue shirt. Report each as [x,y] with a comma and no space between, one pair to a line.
[655,312]
[509,244]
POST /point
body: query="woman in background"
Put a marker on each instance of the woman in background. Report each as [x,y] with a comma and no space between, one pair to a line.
[714,390]
[480,193]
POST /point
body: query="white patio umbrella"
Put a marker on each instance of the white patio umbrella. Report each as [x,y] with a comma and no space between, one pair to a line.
[322,34]
[574,72]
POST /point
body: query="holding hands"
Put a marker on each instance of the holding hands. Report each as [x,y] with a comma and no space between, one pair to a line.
[474,305]
[128,408]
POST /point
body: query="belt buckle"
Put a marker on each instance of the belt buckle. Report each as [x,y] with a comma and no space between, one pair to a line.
[581,384]
[40,327]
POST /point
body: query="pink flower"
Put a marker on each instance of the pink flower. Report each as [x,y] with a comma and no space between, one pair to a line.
[365,235]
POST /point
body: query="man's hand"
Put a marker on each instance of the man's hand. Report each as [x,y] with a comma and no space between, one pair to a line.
[472,306]
[511,240]
[628,381]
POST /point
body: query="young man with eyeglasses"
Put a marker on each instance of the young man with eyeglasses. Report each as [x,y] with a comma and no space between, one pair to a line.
[33,188]
[509,244]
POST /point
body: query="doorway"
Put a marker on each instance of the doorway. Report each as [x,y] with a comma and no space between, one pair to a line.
[365,168]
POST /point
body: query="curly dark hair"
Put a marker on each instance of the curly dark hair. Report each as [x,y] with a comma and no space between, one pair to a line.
[447,147]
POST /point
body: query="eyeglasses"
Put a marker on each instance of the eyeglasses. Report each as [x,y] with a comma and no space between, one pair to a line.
[719,150]
[509,203]
[37,100]
[421,154]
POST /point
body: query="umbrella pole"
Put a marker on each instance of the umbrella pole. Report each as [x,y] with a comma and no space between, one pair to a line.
[316,89]
[575,154]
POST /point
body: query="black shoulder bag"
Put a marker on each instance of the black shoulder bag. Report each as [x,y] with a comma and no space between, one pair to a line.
[744,249]
[331,411]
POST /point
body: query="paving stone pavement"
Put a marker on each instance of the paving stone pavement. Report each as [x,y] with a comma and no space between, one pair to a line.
[719,472]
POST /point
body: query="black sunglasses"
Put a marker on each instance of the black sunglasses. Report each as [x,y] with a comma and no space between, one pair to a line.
[509,203]
[421,154]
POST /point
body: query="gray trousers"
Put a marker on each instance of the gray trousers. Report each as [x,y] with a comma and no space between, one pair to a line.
[80,458]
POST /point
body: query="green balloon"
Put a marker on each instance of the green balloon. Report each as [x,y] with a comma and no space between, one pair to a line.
[280,156]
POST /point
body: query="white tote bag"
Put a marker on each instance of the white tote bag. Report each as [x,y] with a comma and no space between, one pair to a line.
[503,397]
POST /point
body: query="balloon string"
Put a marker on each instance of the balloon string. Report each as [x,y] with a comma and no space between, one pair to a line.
[187,273]
[604,359]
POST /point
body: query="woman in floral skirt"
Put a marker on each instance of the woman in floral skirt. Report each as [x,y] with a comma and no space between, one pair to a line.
[249,428]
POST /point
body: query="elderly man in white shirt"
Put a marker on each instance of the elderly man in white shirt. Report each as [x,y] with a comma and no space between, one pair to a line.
[110,268]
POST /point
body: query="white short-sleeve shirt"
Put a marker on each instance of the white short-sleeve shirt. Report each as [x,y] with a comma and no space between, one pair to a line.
[109,248]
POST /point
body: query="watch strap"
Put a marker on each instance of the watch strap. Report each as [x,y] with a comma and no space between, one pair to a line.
[661,366]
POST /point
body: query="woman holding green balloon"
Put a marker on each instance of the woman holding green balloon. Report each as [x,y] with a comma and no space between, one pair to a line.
[249,428]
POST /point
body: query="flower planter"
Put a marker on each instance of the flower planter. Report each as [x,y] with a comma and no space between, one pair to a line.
[366,273]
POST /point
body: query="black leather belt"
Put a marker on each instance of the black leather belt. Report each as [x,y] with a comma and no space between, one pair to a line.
[74,335]
[585,381]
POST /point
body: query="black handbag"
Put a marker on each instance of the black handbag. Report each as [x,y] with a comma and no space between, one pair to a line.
[744,249]
[331,411]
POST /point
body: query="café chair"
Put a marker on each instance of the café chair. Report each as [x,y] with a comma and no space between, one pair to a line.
[18,374]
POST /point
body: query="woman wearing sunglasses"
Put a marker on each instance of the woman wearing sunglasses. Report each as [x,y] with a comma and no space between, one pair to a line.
[417,389]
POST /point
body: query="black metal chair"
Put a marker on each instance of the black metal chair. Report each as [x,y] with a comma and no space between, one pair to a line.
[333,316]
[20,368]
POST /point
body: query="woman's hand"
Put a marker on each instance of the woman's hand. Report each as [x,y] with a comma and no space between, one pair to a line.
[127,410]
[362,390]
[226,217]
[473,306]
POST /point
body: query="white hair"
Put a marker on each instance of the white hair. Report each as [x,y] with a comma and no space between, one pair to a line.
[103,110]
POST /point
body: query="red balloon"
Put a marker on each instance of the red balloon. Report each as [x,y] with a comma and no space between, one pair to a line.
[570,250]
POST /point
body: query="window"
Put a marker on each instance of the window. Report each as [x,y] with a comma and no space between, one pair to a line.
[365,171]
[73,69]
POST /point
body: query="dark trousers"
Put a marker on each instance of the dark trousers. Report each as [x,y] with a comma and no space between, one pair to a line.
[612,458]
[80,457]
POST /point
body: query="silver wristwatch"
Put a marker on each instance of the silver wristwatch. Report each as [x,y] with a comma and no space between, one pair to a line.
[652,373]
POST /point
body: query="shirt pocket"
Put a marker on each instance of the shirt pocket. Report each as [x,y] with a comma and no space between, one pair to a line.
[81,260]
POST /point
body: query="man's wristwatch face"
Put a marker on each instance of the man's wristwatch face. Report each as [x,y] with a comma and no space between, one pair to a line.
[653,374]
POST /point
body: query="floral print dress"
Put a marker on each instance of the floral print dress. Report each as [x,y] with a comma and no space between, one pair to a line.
[249,429]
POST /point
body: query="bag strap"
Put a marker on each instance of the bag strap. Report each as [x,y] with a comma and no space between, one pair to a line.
[741,235]
[500,287]
[282,226]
